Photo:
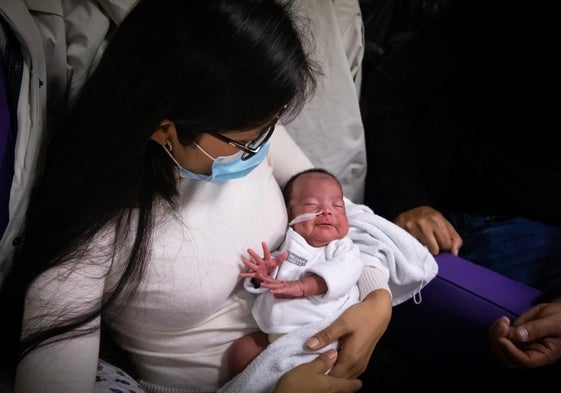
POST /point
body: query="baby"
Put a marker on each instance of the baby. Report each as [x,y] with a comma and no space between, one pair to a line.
[315,274]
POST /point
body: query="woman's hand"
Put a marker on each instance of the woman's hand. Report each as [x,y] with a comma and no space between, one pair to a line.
[312,378]
[533,339]
[358,330]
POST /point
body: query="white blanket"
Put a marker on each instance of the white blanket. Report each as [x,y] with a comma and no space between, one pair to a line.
[384,245]
[392,249]
[281,355]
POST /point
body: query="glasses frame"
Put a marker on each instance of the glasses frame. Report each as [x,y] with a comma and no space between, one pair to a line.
[265,133]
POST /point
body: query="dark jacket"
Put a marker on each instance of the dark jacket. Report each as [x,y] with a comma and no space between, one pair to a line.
[465,115]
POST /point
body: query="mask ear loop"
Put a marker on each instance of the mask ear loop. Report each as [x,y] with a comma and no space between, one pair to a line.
[203,151]
[169,148]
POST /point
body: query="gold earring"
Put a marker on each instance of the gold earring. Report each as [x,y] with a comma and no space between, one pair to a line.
[169,145]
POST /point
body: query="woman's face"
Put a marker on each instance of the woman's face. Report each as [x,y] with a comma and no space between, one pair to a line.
[220,144]
[195,160]
[319,192]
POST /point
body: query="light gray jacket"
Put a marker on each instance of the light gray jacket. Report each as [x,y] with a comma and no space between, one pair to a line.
[60,43]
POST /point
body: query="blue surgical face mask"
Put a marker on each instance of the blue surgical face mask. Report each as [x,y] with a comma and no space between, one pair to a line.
[224,167]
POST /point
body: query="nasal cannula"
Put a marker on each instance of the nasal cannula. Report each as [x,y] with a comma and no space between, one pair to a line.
[304,217]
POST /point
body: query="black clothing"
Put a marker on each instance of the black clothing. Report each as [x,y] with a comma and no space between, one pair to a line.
[466,114]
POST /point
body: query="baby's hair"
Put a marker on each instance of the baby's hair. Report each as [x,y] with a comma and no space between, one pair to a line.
[287,189]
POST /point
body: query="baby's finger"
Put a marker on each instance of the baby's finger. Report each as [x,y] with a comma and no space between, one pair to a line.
[266,251]
[254,255]
[249,264]
[282,257]
[271,282]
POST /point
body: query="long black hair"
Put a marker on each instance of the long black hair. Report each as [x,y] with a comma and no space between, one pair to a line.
[208,65]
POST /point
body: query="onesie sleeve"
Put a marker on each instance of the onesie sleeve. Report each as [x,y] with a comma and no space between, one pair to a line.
[341,269]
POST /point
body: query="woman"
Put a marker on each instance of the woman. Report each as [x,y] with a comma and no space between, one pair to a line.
[165,168]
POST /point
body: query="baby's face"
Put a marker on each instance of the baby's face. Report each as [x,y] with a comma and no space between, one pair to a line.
[318,192]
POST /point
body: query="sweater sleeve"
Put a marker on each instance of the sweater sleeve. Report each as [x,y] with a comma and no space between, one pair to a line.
[69,365]
[67,362]
[372,279]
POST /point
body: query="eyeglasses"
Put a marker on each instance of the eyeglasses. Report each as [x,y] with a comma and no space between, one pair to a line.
[252,147]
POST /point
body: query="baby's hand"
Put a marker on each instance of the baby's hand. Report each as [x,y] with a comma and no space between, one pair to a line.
[284,289]
[261,268]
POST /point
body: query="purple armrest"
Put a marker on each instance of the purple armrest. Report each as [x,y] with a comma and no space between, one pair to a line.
[446,332]
[466,293]
[494,294]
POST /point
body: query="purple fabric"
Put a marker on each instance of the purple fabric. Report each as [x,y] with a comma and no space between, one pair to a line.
[445,333]
[501,293]
[6,153]
[460,304]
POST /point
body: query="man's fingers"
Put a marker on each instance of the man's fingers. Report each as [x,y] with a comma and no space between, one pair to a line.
[533,324]
[448,239]
[456,241]
[500,327]
[430,243]
[536,330]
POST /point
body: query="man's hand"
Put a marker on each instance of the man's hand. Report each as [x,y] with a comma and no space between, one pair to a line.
[432,229]
[532,340]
